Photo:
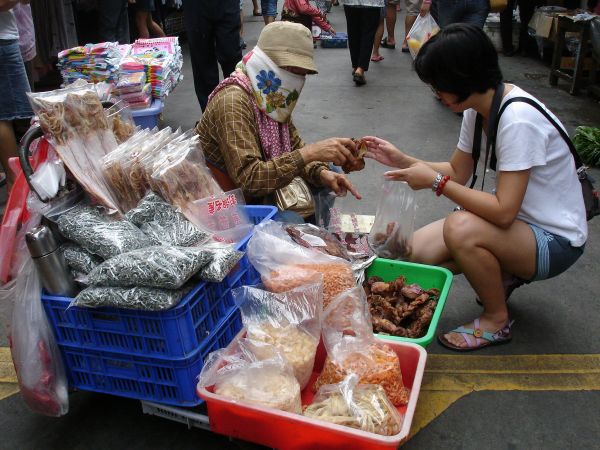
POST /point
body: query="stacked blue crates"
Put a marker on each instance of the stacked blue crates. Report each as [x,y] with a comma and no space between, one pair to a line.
[154,356]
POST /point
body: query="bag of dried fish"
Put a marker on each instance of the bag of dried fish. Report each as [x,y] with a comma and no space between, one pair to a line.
[311,236]
[164,224]
[364,407]
[160,266]
[394,223]
[237,374]
[99,234]
[283,264]
[121,121]
[289,321]
[141,298]
[79,259]
[224,257]
[352,348]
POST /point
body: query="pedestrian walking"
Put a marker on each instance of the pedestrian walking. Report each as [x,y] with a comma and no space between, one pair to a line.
[474,12]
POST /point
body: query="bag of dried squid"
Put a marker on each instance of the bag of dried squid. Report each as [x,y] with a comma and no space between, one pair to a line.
[353,349]
[236,373]
[289,321]
[365,407]
[285,265]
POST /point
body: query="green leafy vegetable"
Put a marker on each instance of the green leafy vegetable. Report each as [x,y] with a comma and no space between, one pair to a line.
[587,143]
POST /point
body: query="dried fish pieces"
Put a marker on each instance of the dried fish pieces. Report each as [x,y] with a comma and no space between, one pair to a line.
[298,347]
[364,407]
[159,266]
[140,298]
[99,234]
[164,224]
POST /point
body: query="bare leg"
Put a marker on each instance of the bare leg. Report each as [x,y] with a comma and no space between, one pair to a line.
[8,148]
[268,19]
[377,41]
[483,251]
[154,28]
[141,22]
[409,21]
[255,8]
[390,22]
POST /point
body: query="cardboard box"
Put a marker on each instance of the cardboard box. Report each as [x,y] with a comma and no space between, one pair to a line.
[544,24]
[568,62]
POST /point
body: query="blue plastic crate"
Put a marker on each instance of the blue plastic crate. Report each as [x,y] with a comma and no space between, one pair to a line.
[175,333]
[163,380]
[148,117]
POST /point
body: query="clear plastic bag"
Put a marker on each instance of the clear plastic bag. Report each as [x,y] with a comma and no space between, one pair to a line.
[284,265]
[317,238]
[290,321]
[422,30]
[139,298]
[160,267]
[237,374]
[224,257]
[164,224]
[74,121]
[352,348]
[99,234]
[79,259]
[365,407]
[49,177]
[38,363]
[121,121]
[392,231]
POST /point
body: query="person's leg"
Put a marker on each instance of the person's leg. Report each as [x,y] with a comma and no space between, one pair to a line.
[8,148]
[227,32]
[201,38]
[527,43]
[476,12]
[269,10]
[113,22]
[154,28]
[141,23]
[483,251]
[390,22]
[368,28]
[506,31]
[376,57]
[353,29]
[449,11]
[255,8]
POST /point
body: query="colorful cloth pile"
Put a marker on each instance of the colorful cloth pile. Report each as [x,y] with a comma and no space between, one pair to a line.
[92,62]
[133,88]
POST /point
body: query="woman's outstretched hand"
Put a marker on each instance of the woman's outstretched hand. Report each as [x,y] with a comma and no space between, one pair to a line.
[386,153]
[418,176]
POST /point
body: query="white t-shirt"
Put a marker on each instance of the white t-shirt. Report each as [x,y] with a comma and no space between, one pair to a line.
[8,26]
[527,140]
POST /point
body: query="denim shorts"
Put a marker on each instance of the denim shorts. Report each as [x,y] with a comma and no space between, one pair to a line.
[555,254]
[474,12]
[13,82]
[269,8]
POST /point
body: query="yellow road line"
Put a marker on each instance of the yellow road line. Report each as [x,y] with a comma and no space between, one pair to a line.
[450,377]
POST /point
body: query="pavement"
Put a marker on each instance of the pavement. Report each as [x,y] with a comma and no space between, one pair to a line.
[540,391]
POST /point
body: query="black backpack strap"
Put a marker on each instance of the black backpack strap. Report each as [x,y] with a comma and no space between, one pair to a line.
[536,105]
[476,152]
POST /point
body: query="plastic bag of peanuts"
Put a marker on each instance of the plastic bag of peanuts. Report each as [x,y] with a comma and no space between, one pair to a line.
[289,321]
[353,349]
[285,265]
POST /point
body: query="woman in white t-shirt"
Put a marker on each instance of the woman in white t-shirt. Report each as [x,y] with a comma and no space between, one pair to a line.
[532,227]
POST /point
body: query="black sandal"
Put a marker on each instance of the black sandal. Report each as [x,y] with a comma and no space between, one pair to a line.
[384,44]
[359,79]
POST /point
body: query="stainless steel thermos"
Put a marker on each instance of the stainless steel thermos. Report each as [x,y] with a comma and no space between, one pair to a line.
[50,262]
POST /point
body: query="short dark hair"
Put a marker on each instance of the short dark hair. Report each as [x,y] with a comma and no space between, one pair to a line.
[460,60]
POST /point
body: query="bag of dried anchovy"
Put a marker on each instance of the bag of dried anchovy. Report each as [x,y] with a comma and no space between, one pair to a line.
[164,224]
[224,258]
[79,259]
[99,234]
[159,266]
[141,298]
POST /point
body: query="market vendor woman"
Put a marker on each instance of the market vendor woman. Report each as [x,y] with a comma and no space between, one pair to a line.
[246,131]
[532,227]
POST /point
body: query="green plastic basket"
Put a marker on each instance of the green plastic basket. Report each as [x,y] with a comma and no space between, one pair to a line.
[427,277]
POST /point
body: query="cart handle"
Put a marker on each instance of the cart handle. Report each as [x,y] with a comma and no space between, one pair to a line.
[31,135]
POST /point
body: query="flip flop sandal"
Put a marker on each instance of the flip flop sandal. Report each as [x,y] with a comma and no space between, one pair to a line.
[384,44]
[377,58]
[405,49]
[480,337]
[256,14]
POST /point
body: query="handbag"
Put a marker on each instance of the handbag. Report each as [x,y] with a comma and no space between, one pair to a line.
[498,5]
[296,197]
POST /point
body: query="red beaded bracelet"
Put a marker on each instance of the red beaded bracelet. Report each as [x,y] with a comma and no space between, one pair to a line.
[440,187]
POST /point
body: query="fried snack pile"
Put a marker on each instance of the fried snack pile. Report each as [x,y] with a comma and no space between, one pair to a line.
[400,309]
[311,236]
[359,153]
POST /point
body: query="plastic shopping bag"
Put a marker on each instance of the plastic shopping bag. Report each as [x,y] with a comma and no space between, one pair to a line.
[38,364]
[394,223]
[422,30]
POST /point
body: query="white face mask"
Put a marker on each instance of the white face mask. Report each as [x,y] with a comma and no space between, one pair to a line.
[276,90]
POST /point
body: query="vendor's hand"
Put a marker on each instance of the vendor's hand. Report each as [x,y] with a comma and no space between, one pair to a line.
[386,153]
[335,150]
[418,176]
[425,7]
[338,183]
